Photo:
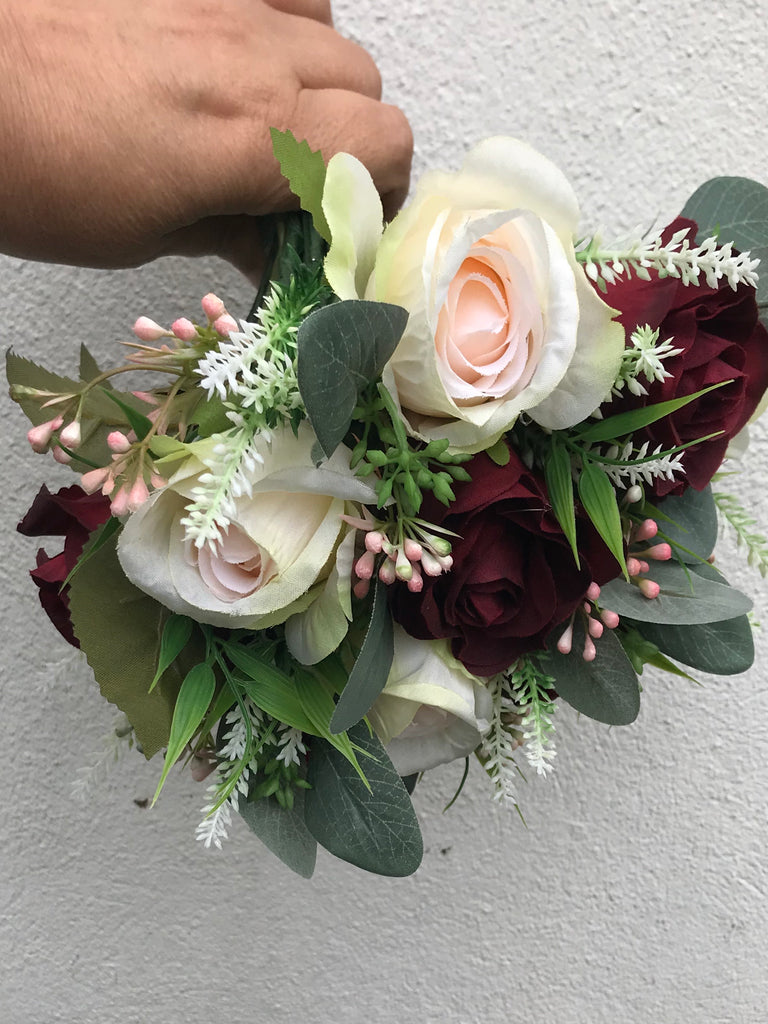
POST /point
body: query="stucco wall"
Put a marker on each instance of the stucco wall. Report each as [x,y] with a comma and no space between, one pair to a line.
[637,894]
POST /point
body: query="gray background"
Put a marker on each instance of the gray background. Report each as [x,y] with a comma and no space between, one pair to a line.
[637,893]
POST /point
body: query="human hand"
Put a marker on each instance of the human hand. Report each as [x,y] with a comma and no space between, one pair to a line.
[131,131]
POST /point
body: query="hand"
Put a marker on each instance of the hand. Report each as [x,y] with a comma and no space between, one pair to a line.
[135,130]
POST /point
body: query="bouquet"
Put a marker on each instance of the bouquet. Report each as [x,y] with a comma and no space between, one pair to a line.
[449,471]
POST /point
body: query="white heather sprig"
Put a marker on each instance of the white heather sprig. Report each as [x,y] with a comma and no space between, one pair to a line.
[114,745]
[291,742]
[675,258]
[633,471]
[529,686]
[735,516]
[233,776]
[501,741]
[644,356]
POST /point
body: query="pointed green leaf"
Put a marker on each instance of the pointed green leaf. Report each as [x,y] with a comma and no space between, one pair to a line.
[305,170]
[627,422]
[140,423]
[97,540]
[723,648]
[119,629]
[210,415]
[499,452]
[23,373]
[192,703]
[319,706]
[599,500]
[378,830]
[557,471]
[269,688]
[283,831]
[176,634]
[341,349]
[89,368]
[735,210]
[369,673]
[606,689]
[686,598]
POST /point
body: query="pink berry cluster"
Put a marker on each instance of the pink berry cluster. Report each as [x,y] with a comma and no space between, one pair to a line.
[220,323]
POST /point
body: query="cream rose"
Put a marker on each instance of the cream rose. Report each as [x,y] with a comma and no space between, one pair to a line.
[502,317]
[432,710]
[286,549]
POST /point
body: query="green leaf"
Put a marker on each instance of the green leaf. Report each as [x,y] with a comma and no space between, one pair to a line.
[599,500]
[89,368]
[119,628]
[557,471]
[499,452]
[605,689]
[283,831]
[693,525]
[341,349]
[378,830]
[723,648]
[98,539]
[140,423]
[735,210]
[305,170]
[210,415]
[176,634]
[319,707]
[642,652]
[371,669]
[269,688]
[191,705]
[627,422]
[686,598]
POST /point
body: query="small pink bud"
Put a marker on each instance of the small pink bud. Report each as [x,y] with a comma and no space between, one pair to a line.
[403,567]
[184,329]
[146,396]
[647,529]
[213,307]
[387,572]
[430,564]
[94,479]
[416,582]
[566,640]
[224,325]
[644,567]
[649,589]
[389,549]
[365,565]
[361,588]
[147,330]
[593,592]
[61,456]
[413,550]
[119,505]
[109,486]
[137,495]
[40,437]
[589,649]
[157,481]
[634,494]
[118,442]
[633,566]
[611,619]
[595,628]
[374,540]
[658,553]
[71,436]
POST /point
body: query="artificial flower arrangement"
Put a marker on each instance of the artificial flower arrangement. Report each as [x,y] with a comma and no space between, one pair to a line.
[449,471]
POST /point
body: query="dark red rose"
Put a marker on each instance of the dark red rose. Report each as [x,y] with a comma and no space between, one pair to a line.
[721,338]
[72,514]
[514,576]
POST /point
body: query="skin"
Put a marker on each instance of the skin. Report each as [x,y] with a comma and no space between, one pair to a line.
[130,131]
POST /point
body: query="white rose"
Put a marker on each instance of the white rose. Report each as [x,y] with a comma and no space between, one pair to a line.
[432,710]
[502,318]
[286,549]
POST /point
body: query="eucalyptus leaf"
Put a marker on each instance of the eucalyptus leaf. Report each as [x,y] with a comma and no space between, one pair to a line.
[599,500]
[690,523]
[283,831]
[378,830]
[305,170]
[686,598]
[557,470]
[119,629]
[735,210]
[371,669]
[723,648]
[341,349]
[606,689]
[192,703]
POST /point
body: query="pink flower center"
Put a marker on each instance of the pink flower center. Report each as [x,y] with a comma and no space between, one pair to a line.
[235,568]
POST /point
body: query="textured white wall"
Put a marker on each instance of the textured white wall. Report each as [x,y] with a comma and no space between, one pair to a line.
[638,892]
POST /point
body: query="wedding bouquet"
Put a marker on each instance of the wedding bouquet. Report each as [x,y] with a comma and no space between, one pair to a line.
[449,471]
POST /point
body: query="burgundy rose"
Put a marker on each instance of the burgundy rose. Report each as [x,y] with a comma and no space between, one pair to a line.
[721,339]
[72,514]
[514,576]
